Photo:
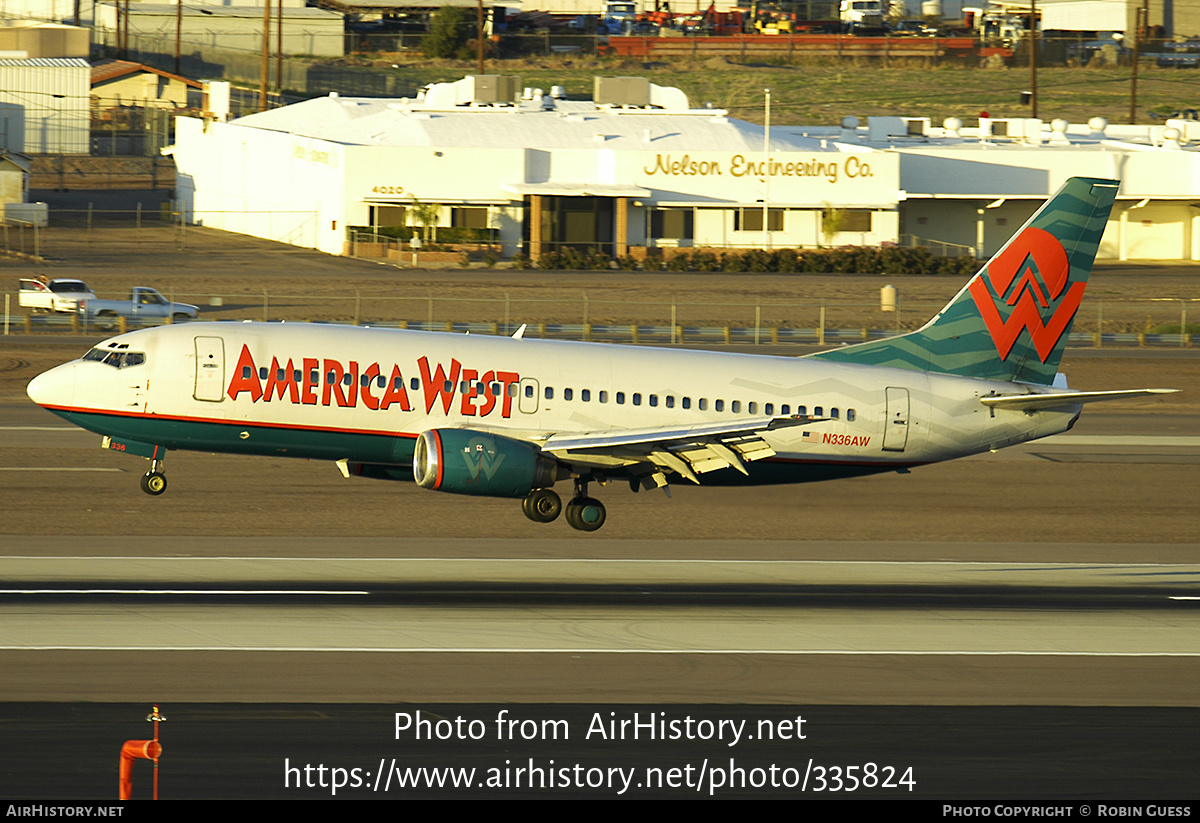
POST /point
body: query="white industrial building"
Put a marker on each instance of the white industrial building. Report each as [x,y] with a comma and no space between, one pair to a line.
[44,105]
[306,31]
[974,186]
[639,168]
[642,169]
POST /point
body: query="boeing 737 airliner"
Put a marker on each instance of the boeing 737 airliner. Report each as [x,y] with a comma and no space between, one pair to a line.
[510,417]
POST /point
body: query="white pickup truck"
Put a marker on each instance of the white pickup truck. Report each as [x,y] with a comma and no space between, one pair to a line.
[53,295]
[142,304]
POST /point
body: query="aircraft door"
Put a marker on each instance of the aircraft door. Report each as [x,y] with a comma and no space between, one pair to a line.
[210,369]
[895,427]
[527,400]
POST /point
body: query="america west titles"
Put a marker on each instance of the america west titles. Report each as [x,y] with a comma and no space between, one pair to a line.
[329,382]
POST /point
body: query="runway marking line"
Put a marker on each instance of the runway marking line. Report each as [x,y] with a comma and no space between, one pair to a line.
[247,592]
[473,650]
[54,469]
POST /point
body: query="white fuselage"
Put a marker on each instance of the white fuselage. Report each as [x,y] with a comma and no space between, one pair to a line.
[365,394]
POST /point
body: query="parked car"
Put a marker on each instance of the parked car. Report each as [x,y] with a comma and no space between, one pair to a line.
[42,295]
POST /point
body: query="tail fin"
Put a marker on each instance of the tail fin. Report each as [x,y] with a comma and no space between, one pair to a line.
[1012,320]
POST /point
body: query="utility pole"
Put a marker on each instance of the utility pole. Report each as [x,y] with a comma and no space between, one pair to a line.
[1141,18]
[1033,53]
[266,56]
[279,50]
[478,31]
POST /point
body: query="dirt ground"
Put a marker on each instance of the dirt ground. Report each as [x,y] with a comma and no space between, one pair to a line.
[254,278]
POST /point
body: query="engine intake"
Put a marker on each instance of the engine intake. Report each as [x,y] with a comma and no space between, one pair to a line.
[465,461]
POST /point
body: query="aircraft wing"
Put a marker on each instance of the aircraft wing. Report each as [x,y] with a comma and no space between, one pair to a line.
[1033,402]
[687,450]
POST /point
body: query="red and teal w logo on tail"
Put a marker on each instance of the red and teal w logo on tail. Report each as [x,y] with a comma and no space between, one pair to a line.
[1012,320]
[1030,275]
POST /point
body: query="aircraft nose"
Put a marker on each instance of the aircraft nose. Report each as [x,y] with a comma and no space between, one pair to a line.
[53,388]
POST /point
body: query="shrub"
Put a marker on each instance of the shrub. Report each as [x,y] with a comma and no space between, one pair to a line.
[448,32]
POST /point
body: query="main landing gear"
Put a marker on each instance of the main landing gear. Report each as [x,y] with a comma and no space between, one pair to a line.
[154,481]
[583,513]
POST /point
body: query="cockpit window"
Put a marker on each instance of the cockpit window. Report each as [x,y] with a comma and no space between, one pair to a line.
[116,359]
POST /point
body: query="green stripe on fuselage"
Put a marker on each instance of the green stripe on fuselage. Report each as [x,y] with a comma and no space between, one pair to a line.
[197,435]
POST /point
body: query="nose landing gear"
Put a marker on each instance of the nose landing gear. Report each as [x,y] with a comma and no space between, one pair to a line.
[154,481]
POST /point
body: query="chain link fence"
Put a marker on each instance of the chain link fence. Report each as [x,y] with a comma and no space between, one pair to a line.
[152,235]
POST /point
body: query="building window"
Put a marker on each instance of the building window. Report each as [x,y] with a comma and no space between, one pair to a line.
[469,217]
[384,216]
[752,219]
[672,224]
[836,220]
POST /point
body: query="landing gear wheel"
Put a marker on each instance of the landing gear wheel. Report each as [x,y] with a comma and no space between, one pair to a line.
[154,483]
[542,505]
[585,514]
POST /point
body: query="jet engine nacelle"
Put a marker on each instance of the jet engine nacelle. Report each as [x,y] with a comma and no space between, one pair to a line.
[464,461]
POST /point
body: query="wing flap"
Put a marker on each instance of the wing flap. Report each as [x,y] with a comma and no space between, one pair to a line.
[688,451]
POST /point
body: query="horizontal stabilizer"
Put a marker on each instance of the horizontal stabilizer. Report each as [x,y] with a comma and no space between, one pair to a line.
[1034,402]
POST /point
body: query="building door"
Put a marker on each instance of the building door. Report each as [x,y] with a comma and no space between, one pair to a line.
[583,224]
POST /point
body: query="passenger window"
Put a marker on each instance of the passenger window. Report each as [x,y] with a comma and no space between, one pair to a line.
[549,392]
[568,394]
[654,400]
[670,401]
[752,407]
[495,389]
[296,375]
[850,415]
[246,372]
[769,408]
[529,391]
[833,413]
[620,398]
[735,406]
[585,395]
[686,402]
[637,399]
[347,380]
[818,411]
[447,387]
[718,405]
[414,383]
[603,396]
[802,411]
[785,409]
[263,371]
[703,404]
